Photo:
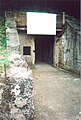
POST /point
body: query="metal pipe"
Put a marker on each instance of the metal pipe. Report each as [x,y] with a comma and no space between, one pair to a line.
[63,18]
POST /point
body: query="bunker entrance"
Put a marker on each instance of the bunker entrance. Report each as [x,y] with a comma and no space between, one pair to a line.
[44,49]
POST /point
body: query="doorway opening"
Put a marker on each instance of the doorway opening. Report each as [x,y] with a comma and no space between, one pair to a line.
[44,49]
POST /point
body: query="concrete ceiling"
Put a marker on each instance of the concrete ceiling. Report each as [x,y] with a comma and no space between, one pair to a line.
[71,7]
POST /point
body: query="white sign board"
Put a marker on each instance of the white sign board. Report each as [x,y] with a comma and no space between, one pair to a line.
[41,23]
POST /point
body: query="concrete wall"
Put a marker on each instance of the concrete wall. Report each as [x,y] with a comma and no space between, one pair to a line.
[57,53]
[68,50]
[26,40]
[20,18]
[11,33]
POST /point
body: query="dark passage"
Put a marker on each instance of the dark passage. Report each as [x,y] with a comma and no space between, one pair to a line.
[44,49]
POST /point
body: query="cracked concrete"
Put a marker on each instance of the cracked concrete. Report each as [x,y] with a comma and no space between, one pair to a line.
[57,94]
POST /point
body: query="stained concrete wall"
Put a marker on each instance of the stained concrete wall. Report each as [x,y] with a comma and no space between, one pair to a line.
[57,52]
[67,48]
[20,18]
[26,40]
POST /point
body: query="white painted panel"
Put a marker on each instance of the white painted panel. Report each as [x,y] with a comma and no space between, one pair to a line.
[41,23]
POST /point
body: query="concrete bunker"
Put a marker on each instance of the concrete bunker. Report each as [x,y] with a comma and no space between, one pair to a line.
[36,36]
[36,48]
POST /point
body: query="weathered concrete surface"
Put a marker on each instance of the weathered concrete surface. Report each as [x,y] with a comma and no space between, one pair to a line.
[57,94]
[20,86]
[16,101]
[67,52]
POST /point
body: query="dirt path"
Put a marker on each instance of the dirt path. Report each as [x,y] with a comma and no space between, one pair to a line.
[57,94]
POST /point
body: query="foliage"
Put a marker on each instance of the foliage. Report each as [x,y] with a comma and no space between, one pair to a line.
[3,45]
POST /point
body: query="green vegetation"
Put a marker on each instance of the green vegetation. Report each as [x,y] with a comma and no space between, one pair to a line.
[3,46]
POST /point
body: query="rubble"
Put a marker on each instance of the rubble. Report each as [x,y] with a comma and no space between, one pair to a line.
[17,93]
[20,88]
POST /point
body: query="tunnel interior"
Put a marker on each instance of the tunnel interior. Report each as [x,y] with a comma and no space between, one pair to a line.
[44,49]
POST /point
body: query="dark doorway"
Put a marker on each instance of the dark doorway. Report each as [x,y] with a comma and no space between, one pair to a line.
[44,49]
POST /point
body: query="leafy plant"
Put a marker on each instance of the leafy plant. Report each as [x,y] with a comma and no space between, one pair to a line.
[3,46]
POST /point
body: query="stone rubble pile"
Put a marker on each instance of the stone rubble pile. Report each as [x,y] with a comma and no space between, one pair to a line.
[17,95]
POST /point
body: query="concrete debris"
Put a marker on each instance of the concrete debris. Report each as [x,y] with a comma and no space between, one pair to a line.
[20,102]
[76,79]
[17,94]
[21,88]
[16,90]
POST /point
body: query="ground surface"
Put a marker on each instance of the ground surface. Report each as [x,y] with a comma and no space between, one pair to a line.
[57,94]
